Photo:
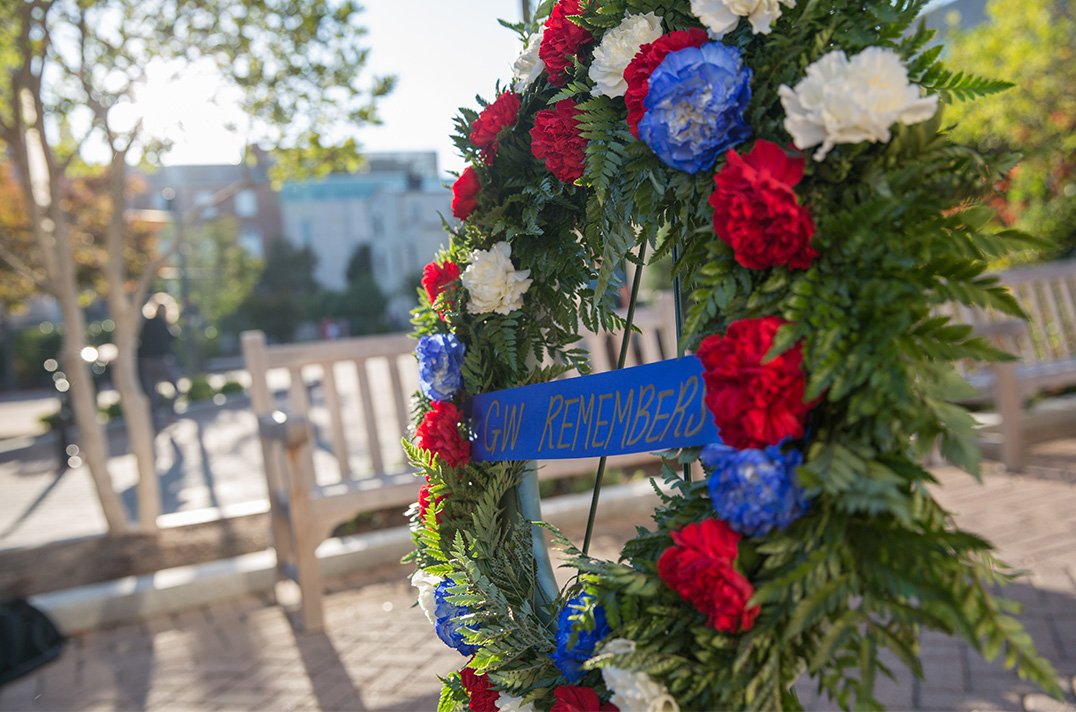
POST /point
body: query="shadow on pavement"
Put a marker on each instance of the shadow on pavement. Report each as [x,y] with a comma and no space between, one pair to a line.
[329,677]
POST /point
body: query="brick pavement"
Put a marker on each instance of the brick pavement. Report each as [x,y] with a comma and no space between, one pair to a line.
[380,654]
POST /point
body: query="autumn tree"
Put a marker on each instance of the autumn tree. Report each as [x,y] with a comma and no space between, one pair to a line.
[1031,43]
[68,74]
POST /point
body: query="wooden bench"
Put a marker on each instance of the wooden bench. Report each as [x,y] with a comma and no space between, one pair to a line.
[1046,349]
[331,439]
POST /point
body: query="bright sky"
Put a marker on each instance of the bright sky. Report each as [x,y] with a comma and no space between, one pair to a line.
[442,52]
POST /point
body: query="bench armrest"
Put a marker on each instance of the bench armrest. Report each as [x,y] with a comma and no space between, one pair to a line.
[289,430]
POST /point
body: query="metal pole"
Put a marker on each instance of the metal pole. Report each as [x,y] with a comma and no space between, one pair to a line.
[621,358]
[528,503]
[678,311]
[526,11]
[175,205]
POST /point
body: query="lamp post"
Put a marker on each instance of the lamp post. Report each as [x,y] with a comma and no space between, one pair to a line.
[190,341]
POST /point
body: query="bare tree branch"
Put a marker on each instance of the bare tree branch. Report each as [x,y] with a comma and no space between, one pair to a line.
[187,217]
[131,136]
[16,263]
[76,149]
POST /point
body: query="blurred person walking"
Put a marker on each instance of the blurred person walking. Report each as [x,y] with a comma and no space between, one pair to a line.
[156,362]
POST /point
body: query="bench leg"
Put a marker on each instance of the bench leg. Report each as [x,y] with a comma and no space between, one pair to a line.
[308,573]
[1007,398]
[307,566]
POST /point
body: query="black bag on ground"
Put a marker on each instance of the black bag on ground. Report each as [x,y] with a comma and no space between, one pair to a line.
[28,639]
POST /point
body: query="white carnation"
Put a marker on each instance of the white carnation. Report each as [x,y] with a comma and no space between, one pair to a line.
[634,691]
[845,100]
[493,283]
[528,66]
[617,48]
[426,582]
[511,703]
[721,16]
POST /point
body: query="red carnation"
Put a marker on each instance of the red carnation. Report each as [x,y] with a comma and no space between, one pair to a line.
[436,279]
[439,433]
[425,501]
[465,193]
[480,689]
[556,141]
[646,60]
[561,41]
[756,211]
[579,699]
[754,404]
[699,567]
[492,122]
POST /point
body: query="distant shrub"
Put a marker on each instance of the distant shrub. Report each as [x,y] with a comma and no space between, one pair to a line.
[231,388]
[200,390]
[30,349]
[50,421]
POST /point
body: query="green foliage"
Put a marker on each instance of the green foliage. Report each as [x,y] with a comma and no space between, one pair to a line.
[1033,44]
[224,273]
[231,388]
[199,389]
[362,302]
[29,349]
[902,238]
[284,290]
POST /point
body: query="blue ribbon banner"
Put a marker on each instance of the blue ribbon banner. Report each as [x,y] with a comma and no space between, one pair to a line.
[653,407]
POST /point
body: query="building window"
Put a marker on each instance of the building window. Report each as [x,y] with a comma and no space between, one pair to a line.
[250,239]
[204,199]
[246,203]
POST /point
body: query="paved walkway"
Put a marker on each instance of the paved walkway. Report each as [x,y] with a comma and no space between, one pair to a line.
[380,653]
[208,458]
[204,460]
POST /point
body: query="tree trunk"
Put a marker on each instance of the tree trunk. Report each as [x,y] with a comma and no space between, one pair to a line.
[137,419]
[126,313]
[43,184]
[91,434]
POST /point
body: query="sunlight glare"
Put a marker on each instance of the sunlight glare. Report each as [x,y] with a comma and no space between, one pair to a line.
[190,106]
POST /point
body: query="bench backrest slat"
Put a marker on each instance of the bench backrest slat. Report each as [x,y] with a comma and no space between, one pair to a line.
[369,417]
[399,401]
[1046,293]
[336,418]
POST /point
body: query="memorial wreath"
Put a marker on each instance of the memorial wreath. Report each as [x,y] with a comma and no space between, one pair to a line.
[790,157]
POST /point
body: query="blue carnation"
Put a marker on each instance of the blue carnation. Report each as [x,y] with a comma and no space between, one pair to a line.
[695,106]
[568,658]
[439,360]
[755,491]
[448,625]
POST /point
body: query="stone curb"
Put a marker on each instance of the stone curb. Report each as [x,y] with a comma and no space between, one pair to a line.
[134,598]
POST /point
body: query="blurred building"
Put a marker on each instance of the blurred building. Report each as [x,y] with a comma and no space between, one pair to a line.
[962,14]
[394,206]
[241,192]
